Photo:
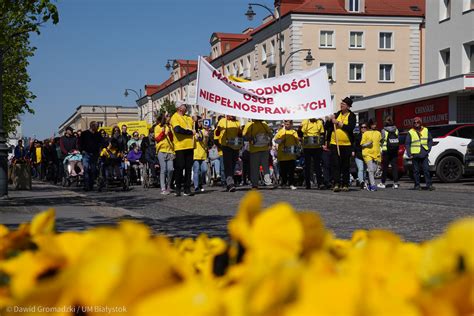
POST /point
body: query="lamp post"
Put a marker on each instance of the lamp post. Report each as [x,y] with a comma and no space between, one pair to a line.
[251,14]
[139,95]
[308,59]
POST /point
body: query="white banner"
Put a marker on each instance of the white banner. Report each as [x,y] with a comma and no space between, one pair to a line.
[296,96]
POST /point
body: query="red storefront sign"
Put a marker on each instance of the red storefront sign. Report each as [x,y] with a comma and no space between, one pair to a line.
[432,112]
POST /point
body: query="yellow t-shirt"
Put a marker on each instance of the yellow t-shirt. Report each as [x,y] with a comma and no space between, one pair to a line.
[229,130]
[252,129]
[165,145]
[342,136]
[107,151]
[38,154]
[288,138]
[312,129]
[182,141]
[217,139]
[200,150]
[373,151]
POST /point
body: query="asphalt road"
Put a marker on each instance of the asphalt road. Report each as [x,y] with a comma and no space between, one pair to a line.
[415,215]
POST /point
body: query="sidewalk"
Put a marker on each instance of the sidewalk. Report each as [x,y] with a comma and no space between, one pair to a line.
[74,210]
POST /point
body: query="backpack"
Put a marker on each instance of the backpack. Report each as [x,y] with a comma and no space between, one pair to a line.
[393,143]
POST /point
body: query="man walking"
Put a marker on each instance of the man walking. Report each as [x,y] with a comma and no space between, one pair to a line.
[89,144]
[312,132]
[418,145]
[390,146]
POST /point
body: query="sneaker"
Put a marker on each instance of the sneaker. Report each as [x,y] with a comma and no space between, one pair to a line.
[293,187]
[431,188]
[196,190]
[363,185]
[177,193]
[322,187]
[336,188]
[381,185]
[345,188]
[188,193]
[417,188]
[201,189]
[165,192]
[396,185]
[231,188]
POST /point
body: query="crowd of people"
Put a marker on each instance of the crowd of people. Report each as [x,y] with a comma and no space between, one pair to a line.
[183,155]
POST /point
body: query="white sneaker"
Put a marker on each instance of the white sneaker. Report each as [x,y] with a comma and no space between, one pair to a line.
[381,185]
[396,185]
[292,187]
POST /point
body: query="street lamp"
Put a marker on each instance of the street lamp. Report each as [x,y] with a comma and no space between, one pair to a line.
[139,96]
[308,59]
[250,14]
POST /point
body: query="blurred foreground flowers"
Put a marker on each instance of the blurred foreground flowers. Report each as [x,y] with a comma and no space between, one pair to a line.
[277,262]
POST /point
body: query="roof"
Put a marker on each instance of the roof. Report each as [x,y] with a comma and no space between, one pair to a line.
[372,7]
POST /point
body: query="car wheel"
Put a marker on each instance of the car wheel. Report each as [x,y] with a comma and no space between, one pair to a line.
[449,169]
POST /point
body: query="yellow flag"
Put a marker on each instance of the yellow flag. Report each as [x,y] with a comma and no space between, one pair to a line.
[238,79]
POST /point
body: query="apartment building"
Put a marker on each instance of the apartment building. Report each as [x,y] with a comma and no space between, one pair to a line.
[447,95]
[368,47]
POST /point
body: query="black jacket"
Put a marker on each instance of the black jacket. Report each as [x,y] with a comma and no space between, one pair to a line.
[90,142]
[349,128]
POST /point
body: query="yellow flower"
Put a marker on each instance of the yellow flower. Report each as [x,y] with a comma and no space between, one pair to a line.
[240,226]
[314,233]
[460,242]
[43,223]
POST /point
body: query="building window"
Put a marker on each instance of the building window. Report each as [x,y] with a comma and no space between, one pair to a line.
[356,72]
[241,67]
[271,72]
[282,40]
[264,53]
[354,5]
[227,71]
[386,72]
[468,5]
[227,47]
[444,10]
[330,70]
[446,63]
[385,40]
[326,39]
[356,40]
[249,63]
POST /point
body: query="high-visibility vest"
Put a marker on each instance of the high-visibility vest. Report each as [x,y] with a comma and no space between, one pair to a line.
[385,140]
[417,142]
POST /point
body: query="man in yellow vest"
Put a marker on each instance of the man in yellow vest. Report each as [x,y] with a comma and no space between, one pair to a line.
[340,138]
[183,141]
[230,137]
[312,133]
[418,145]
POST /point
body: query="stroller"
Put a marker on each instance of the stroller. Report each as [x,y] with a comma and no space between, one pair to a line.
[112,173]
[73,169]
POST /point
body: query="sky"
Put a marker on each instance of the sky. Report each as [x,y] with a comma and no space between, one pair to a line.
[101,47]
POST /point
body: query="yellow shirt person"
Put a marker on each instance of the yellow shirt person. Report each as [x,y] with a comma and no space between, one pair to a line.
[371,145]
[230,133]
[200,150]
[259,135]
[312,128]
[342,137]
[164,143]
[182,141]
[287,141]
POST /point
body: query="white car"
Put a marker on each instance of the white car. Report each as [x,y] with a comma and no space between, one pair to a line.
[446,158]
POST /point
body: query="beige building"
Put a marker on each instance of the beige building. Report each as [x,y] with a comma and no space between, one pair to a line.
[105,115]
[368,47]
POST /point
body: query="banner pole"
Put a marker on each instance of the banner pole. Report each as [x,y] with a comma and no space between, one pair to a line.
[337,142]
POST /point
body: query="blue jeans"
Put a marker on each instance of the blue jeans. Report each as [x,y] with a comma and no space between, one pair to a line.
[199,173]
[216,167]
[89,162]
[360,169]
[221,161]
[421,163]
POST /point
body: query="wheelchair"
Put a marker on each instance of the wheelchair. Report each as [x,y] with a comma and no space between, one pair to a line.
[112,173]
[150,180]
[69,177]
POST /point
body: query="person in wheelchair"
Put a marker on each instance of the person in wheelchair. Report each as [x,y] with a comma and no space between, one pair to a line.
[112,158]
[133,157]
[73,164]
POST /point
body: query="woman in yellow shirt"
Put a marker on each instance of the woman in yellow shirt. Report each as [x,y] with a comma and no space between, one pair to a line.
[259,135]
[165,151]
[230,137]
[200,155]
[288,141]
[371,152]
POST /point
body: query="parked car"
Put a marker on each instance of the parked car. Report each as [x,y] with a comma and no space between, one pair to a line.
[469,159]
[446,158]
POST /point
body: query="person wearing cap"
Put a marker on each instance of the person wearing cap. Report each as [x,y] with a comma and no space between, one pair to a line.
[183,141]
[418,145]
[312,133]
[230,138]
[259,136]
[340,138]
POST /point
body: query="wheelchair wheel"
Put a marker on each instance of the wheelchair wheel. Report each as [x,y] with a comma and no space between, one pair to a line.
[146,178]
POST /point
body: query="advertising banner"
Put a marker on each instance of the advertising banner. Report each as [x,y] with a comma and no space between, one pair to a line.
[295,96]
[140,126]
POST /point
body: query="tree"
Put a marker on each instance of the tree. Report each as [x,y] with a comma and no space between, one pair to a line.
[19,18]
[168,107]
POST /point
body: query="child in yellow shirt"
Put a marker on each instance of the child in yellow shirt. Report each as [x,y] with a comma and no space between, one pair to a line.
[371,152]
